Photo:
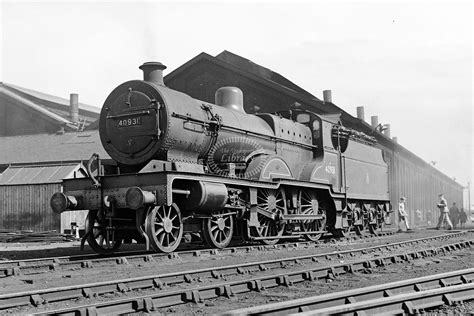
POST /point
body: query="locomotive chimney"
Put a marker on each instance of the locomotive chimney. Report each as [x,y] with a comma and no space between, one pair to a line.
[387,130]
[360,113]
[230,98]
[374,121]
[327,96]
[395,139]
[153,72]
[74,107]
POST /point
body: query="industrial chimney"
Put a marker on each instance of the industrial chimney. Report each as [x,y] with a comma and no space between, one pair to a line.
[374,120]
[153,72]
[327,96]
[360,113]
[74,107]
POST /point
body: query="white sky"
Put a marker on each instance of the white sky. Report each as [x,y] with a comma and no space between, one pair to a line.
[410,63]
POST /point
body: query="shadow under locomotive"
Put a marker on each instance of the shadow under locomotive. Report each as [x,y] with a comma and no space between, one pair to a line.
[187,167]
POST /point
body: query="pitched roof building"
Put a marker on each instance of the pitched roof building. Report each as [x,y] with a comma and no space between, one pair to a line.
[24,112]
[50,148]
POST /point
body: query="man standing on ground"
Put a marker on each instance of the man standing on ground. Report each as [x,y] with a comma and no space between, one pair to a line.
[454,215]
[402,214]
[444,216]
[462,217]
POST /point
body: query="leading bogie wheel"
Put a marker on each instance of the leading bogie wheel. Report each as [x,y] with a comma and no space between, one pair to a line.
[100,239]
[164,227]
[218,230]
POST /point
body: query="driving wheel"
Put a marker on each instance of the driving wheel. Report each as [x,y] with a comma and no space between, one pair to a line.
[270,202]
[309,205]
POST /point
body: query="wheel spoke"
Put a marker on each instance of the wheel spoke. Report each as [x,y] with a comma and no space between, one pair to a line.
[174,237]
[159,231]
[161,237]
[158,215]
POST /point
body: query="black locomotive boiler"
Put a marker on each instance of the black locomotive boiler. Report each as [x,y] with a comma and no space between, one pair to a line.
[187,167]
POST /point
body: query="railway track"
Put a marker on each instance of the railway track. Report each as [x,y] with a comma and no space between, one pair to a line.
[411,297]
[43,265]
[262,277]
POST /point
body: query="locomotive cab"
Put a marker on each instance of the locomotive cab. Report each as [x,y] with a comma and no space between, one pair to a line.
[313,121]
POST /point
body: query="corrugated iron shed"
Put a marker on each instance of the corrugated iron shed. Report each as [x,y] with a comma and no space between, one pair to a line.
[25,192]
[20,175]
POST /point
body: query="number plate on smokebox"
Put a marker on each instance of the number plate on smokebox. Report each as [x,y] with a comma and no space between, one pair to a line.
[131,121]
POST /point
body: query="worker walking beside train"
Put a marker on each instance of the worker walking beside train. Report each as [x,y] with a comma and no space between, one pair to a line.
[444,216]
[402,214]
[454,215]
[462,217]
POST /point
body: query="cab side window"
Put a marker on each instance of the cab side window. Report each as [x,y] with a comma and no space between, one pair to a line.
[316,128]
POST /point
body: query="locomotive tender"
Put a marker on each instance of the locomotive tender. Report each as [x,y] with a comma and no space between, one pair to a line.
[190,167]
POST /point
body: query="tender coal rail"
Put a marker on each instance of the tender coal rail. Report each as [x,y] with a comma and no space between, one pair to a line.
[42,265]
[411,297]
[197,294]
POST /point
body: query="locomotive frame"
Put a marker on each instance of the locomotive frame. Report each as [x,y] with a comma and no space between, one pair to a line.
[298,174]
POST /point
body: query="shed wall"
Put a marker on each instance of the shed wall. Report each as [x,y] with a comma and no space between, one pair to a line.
[26,207]
[421,186]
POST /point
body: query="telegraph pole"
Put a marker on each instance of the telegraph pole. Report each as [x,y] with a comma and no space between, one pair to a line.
[469,197]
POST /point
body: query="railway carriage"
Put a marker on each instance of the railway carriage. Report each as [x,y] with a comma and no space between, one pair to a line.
[190,167]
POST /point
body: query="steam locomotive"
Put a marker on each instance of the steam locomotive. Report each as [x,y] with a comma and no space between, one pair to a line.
[191,168]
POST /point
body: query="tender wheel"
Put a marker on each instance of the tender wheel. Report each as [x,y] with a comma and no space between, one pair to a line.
[356,216]
[341,233]
[271,201]
[100,239]
[218,230]
[373,215]
[309,205]
[164,227]
[358,229]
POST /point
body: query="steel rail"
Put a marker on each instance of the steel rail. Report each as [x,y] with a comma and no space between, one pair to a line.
[38,297]
[411,304]
[342,302]
[43,265]
[197,295]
